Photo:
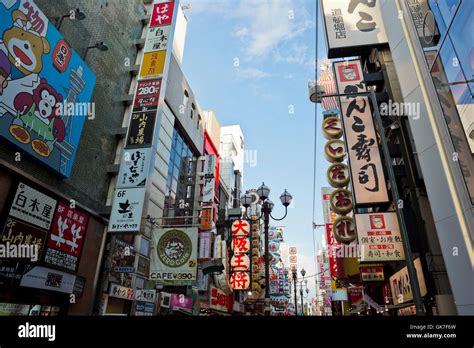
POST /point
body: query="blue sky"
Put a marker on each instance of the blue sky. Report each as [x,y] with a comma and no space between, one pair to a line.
[250,62]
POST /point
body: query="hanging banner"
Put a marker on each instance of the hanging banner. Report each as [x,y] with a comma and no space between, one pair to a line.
[127,210]
[379,237]
[352,24]
[33,206]
[66,238]
[174,259]
[134,168]
[205,240]
[368,179]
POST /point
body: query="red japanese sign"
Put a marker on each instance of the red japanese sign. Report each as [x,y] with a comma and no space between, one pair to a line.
[162,14]
[240,228]
[69,228]
[147,95]
[219,300]
[239,280]
[62,55]
[241,245]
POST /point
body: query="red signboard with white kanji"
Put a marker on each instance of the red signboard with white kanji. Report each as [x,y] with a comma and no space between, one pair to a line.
[66,238]
[162,14]
[147,95]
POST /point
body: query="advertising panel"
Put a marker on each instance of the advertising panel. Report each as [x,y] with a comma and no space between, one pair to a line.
[368,179]
[147,95]
[140,130]
[400,285]
[174,259]
[66,238]
[379,237]
[352,24]
[18,233]
[33,206]
[127,210]
[45,87]
[134,168]
[49,279]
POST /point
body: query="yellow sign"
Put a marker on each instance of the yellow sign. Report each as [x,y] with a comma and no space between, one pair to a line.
[153,64]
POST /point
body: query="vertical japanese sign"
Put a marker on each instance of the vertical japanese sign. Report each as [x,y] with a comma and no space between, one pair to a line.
[240,262]
[352,24]
[379,237]
[368,179]
[174,257]
[209,179]
[66,238]
[129,202]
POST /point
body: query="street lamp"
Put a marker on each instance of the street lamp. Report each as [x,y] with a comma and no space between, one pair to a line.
[267,207]
[101,46]
[295,280]
[74,14]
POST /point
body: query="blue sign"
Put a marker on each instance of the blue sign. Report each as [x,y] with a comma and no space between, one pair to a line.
[45,87]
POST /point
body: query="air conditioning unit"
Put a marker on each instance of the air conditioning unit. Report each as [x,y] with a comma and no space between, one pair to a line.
[165,300]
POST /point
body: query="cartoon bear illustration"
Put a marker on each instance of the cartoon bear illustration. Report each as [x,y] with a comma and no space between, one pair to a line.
[38,112]
[24,47]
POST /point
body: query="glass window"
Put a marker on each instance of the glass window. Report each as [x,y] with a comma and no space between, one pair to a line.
[144,246]
[452,75]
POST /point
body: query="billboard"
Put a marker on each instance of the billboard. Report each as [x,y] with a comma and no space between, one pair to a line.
[379,237]
[352,24]
[368,179]
[174,257]
[45,87]
[400,285]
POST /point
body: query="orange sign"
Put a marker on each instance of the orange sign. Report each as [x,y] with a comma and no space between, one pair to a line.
[153,64]
[206,219]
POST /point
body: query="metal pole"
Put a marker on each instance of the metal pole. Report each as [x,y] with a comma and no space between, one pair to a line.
[294,286]
[415,286]
[266,217]
[301,297]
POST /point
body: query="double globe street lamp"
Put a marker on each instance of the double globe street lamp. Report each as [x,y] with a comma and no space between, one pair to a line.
[263,193]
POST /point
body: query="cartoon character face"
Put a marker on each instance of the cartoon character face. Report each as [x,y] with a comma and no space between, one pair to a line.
[25,48]
[46,104]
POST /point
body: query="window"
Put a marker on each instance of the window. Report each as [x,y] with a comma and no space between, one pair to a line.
[199,122]
[185,99]
[193,110]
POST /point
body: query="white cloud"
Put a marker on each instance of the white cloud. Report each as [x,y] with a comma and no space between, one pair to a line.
[265,24]
[251,73]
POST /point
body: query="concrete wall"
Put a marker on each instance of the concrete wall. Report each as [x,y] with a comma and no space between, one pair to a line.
[452,213]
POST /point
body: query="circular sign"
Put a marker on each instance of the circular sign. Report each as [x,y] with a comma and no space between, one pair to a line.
[274,245]
[344,229]
[338,175]
[332,128]
[335,150]
[174,248]
[341,201]
[240,262]
[240,228]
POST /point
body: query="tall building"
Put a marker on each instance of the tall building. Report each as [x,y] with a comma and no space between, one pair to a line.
[57,140]
[417,71]
[432,60]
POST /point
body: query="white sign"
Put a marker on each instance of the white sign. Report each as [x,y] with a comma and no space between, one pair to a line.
[49,279]
[379,237]
[145,295]
[121,292]
[134,168]
[209,179]
[174,256]
[127,210]
[157,39]
[368,179]
[328,213]
[205,245]
[351,24]
[400,285]
[33,206]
